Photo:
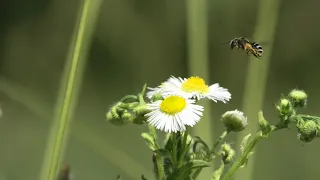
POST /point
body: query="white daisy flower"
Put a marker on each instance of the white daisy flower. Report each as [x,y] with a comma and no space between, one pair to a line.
[195,87]
[173,113]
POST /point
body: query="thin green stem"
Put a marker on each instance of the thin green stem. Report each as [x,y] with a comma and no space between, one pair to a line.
[174,150]
[257,72]
[236,165]
[127,97]
[68,93]
[259,136]
[215,145]
[184,146]
[159,161]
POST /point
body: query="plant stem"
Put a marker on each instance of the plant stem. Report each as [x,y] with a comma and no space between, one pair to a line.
[257,72]
[198,63]
[184,146]
[222,136]
[259,136]
[235,166]
[159,162]
[71,82]
[174,150]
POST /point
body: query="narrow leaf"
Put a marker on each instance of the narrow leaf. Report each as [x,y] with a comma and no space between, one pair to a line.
[245,163]
[244,142]
[163,153]
[264,125]
[149,140]
[198,140]
[217,173]
[185,171]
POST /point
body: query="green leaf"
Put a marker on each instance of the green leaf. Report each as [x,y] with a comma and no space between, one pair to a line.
[244,142]
[149,140]
[198,140]
[168,142]
[163,153]
[143,178]
[217,173]
[185,151]
[118,177]
[264,125]
[185,171]
[244,164]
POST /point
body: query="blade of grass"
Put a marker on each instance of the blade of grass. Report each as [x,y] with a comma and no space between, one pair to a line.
[68,95]
[197,28]
[257,74]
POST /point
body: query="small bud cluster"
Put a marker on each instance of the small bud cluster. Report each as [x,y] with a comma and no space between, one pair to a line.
[308,126]
[124,112]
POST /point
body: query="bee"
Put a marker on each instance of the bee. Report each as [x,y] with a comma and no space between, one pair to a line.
[253,48]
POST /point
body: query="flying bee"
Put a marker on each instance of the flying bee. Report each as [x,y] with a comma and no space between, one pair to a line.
[250,47]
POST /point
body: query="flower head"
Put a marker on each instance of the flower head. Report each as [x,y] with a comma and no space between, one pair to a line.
[173,113]
[234,120]
[195,87]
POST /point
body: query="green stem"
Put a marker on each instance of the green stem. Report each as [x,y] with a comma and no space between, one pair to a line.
[127,97]
[68,94]
[259,136]
[159,162]
[236,165]
[174,150]
[222,136]
[184,146]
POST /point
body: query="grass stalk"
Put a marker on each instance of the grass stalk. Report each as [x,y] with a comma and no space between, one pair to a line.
[197,35]
[70,85]
[256,78]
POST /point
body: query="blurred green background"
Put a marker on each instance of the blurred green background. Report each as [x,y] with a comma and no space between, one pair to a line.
[145,41]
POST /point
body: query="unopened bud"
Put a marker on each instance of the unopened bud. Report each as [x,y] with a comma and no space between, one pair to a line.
[298,98]
[308,130]
[234,120]
[285,108]
[227,153]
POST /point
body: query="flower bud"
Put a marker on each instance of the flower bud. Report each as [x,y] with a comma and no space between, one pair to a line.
[140,110]
[234,120]
[118,116]
[285,108]
[227,153]
[298,98]
[308,130]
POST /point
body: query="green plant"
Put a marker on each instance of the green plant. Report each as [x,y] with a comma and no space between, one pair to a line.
[172,108]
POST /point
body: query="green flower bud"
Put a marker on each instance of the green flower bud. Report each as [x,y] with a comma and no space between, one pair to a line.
[234,120]
[308,130]
[118,116]
[140,110]
[138,119]
[285,108]
[298,98]
[227,153]
[157,97]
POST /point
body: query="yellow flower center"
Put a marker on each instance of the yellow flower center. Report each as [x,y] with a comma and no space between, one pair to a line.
[173,105]
[195,84]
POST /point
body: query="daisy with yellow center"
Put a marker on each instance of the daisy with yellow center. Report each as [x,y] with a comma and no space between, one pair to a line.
[173,114]
[196,88]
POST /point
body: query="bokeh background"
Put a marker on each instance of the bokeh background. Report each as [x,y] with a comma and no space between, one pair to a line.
[145,41]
